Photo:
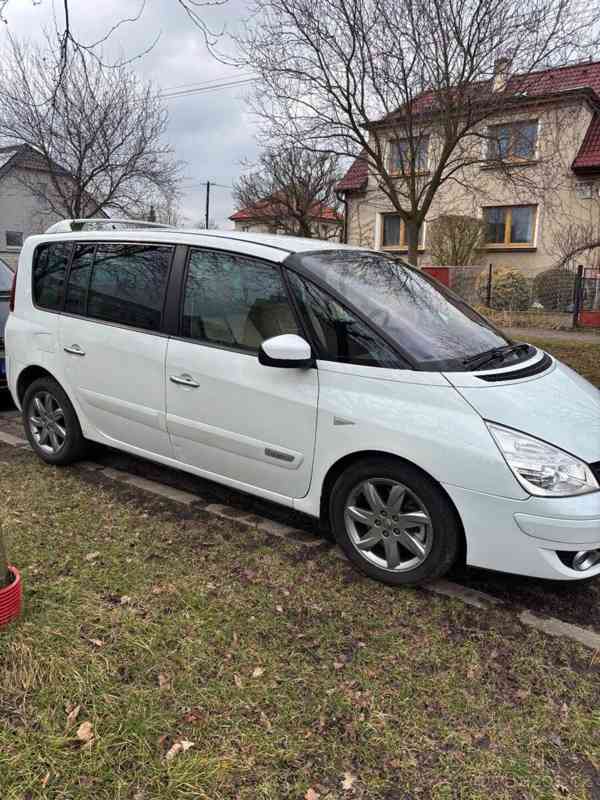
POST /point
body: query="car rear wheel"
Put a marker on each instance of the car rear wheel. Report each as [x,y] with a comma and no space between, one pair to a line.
[51,423]
[393,522]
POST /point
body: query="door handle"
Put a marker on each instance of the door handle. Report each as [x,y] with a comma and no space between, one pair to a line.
[75,350]
[184,380]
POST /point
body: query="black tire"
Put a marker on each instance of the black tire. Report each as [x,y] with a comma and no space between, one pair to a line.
[439,539]
[73,446]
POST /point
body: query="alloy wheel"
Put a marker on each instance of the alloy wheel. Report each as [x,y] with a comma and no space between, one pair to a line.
[47,422]
[388,524]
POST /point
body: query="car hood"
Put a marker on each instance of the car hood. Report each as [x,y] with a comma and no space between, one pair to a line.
[558,406]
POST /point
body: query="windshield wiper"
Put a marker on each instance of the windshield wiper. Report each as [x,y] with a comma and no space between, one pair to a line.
[483,359]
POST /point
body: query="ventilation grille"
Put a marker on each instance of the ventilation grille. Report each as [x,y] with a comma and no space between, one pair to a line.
[515,375]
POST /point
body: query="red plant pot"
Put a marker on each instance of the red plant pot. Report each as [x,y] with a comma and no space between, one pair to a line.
[10,599]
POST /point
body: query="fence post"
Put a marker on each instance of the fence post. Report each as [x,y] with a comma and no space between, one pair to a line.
[578,295]
[489,286]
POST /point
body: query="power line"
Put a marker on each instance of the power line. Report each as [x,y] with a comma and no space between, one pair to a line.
[198,184]
[210,82]
[206,89]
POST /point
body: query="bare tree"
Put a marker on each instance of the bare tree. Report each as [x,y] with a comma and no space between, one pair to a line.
[96,131]
[576,240]
[291,189]
[408,84]
[70,41]
[455,240]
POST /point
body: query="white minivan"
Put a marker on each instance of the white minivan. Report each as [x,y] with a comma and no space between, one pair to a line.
[330,379]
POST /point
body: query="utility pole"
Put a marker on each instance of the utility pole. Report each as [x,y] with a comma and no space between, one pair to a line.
[207,202]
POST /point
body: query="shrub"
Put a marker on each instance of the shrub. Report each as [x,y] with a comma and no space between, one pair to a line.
[554,289]
[510,290]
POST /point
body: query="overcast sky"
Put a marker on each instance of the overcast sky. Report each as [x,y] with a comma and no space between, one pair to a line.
[212,131]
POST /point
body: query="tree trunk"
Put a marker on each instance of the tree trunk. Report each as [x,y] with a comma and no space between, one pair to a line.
[412,241]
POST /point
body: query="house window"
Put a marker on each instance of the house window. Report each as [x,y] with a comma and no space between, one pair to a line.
[393,233]
[584,190]
[401,161]
[14,238]
[510,226]
[512,141]
[41,194]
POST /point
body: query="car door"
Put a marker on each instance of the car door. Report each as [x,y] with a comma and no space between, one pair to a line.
[112,346]
[227,414]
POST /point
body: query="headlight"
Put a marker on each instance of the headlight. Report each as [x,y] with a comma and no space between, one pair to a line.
[542,468]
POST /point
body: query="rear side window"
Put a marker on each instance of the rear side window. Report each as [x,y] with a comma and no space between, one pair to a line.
[234,301]
[79,278]
[121,283]
[49,271]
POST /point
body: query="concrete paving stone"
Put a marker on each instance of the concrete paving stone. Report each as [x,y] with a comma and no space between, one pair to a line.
[555,627]
[471,597]
[14,441]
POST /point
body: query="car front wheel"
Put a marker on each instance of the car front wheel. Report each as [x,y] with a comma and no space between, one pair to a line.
[393,522]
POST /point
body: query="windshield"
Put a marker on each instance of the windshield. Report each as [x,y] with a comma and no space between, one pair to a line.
[428,322]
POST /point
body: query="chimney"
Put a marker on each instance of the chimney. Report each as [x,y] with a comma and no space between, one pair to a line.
[501,73]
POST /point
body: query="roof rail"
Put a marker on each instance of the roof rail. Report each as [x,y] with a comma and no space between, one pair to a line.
[102,223]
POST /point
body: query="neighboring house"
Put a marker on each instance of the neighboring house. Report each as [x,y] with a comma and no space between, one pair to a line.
[25,185]
[558,114]
[270,216]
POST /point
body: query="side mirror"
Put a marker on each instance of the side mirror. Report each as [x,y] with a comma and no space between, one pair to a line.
[287,351]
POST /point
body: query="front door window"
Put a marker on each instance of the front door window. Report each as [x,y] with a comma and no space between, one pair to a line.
[233,301]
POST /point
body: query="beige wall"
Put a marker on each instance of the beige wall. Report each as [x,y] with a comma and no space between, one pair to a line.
[21,210]
[549,183]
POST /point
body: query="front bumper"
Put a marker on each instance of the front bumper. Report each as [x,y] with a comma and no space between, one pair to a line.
[525,536]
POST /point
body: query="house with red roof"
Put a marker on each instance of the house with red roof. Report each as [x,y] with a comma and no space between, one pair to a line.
[549,134]
[276,216]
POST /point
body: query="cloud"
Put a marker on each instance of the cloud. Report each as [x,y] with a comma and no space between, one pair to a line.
[213,131]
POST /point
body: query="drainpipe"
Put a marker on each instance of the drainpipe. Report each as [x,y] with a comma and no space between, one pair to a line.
[342,198]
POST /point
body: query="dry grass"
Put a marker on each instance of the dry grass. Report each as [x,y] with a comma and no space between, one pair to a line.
[287,670]
[580,356]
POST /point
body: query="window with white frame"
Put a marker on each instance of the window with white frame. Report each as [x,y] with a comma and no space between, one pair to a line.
[393,233]
[409,155]
[512,141]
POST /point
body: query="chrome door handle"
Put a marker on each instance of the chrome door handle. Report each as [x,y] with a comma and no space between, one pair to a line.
[184,380]
[75,350]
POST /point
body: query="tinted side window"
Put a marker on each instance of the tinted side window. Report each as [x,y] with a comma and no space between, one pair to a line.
[6,277]
[234,301]
[340,335]
[49,271]
[79,278]
[127,285]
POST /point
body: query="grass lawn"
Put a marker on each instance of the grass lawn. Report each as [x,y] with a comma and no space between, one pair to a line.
[581,356]
[147,628]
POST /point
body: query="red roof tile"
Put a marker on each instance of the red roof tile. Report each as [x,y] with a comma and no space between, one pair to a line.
[588,157]
[268,209]
[356,177]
